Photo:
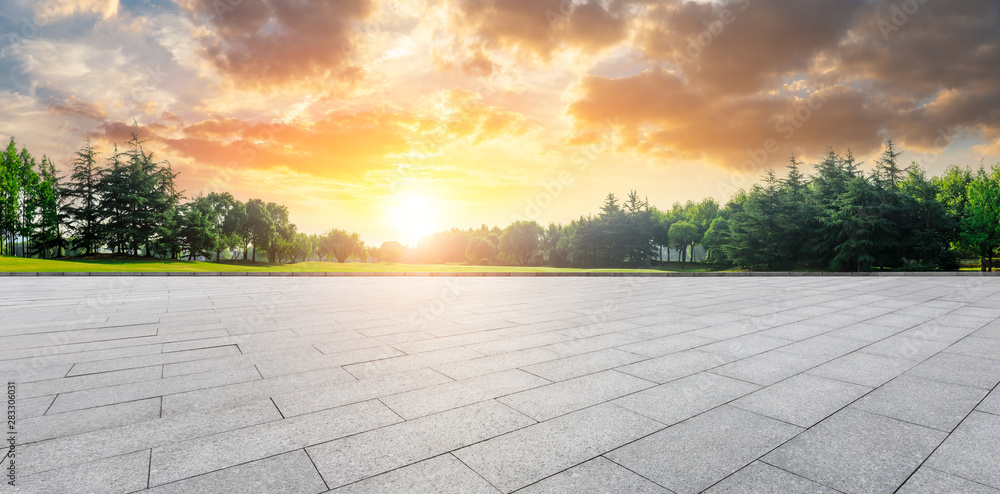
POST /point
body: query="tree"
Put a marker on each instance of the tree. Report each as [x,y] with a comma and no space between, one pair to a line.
[392,251]
[683,234]
[481,249]
[519,242]
[199,228]
[981,224]
[28,185]
[862,230]
[714,240]
[340,244]
[83,195]
[302,247]
[10,164]
[259,227]
[49,239]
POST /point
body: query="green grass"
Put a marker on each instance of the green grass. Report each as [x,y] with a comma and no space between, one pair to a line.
[16,264]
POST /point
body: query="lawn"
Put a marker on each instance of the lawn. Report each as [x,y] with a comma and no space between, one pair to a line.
[16,264]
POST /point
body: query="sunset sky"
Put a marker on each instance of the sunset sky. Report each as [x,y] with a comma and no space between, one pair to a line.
[396,118]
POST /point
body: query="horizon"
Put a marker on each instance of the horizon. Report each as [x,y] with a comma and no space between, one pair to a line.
[428,116]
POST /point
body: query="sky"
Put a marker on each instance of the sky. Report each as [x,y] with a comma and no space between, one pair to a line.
[397,118]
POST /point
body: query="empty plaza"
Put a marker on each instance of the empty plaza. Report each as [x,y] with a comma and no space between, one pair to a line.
[503,384]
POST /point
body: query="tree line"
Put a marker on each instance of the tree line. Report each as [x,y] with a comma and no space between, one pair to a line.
[838,218]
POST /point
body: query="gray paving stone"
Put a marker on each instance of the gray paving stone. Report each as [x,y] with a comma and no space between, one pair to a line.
[410,362]
[121,393]
[121,474]
[798,330]
[92,419]
[357,457]
[676,365]
[153,342]
[28,408]
[291,472]
[518,343]
[865,331]
[977,347]
[761,478]
[113,364]
[927,480]
[76,449]
[960,369]
[441,474]
[496,363]
[933,404]
[193,457]
[231,395]
[939,332]
[906,347]
[280,367]
[545,402]
[597,475]
[991,404]
[223,363]
[581,365]
[824,346]
[863,368]
[769,367]
[667,344]
[417,403]
[856,451]
[579,346]
[803,400]
[697,453]
[514,460]
[312,400]
[745,346]
[686,397]
[970,451]
[79,383]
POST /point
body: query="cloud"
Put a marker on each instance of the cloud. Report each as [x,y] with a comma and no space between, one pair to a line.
[660,115]
[741,46]
[75,107]
[533,30]
[265,44]
[742,72]
[52,10]
[339,145]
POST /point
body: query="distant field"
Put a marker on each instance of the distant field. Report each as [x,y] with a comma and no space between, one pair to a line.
[16,264]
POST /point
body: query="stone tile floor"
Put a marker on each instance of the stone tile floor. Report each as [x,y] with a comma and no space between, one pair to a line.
[307,385]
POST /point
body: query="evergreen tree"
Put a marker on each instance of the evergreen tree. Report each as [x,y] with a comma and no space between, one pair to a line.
[83,196]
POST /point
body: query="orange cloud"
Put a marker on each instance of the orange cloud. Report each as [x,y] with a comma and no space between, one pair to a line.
[658,114]
[76,107]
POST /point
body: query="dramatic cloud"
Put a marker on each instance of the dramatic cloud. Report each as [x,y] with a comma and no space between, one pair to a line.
[807,74]
[532,30]
[264,43]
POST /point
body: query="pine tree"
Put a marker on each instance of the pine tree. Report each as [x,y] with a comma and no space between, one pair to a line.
[83,196]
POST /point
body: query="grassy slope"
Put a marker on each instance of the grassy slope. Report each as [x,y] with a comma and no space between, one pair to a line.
[156,265]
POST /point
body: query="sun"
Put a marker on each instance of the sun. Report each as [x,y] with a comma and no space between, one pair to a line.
[412,216]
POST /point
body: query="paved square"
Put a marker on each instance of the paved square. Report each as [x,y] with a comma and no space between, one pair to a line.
[503,384]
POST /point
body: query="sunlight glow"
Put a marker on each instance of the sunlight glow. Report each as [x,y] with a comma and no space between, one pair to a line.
[413,216]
